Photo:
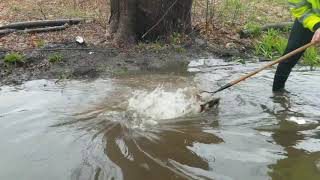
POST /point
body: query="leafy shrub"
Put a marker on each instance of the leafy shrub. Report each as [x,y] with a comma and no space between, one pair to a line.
[14,57]
[55,58]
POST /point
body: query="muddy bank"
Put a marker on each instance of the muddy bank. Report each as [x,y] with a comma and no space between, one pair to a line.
[89,62]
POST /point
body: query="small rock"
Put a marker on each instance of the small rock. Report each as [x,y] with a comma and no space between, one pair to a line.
[298,120]
[230,45]
[199,42]
[196,63]
[88,20]
[79,39]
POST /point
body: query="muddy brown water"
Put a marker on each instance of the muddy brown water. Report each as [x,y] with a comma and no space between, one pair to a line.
[147,127]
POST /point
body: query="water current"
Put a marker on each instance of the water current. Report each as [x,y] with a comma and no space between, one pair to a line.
[149,127]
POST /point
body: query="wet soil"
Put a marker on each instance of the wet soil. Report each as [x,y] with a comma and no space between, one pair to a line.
[90,62]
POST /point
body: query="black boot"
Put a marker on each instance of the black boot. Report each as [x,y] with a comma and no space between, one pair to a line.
[279,82]
[281,76]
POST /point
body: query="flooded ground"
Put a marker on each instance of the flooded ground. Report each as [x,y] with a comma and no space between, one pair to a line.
[148,127]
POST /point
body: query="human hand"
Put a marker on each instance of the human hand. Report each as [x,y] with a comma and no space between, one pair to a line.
[316,37]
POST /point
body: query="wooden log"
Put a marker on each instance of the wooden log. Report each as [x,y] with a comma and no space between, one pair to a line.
[277,26]
[35,30]
[32,24]
[46,29]
[6,31]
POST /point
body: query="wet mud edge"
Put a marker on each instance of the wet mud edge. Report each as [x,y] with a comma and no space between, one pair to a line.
[91,62]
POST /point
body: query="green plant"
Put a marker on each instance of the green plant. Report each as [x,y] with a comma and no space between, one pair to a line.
[14,57]
[175,38]
[180,49]
[311,57]
[280,45]
[55,58]
[254,28]
[231,10]
[271,45]
[153,46]
[40,43]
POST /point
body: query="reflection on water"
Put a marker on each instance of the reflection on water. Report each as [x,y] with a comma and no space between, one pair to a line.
[301,163]
[148,127]
[142,139]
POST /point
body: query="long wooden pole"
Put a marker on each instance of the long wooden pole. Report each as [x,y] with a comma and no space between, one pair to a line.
[292,53]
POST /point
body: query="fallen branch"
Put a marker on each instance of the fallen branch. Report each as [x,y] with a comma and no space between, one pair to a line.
[276,26]
[46,29]
[36,30]
[93,49]
[32,24]
[67,49]
[6,31]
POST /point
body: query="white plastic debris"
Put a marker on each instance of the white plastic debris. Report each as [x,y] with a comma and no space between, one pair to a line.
[195,63]
[267,134]
[298,120]
[79,39]
[310,145]
[91,52]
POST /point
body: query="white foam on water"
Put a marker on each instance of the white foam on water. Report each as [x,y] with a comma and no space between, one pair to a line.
[298,120]
[302,120]
[161,104]
[310,145]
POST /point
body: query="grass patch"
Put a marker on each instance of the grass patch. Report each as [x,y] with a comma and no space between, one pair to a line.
[254,28]
[151,46]
[55,58]
[271,45]
[175,38]
[311,57]
[40,43]
[231,10]
[14,57]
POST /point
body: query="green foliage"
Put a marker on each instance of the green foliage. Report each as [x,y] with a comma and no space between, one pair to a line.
[311,57]
[40,43]
[16,8]
[179,49]
[153,46]
[254,28]
[176,38]
[231,10]
[55,57]
[14,57]
[271,45]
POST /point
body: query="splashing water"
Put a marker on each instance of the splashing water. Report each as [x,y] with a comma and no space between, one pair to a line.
[160,104]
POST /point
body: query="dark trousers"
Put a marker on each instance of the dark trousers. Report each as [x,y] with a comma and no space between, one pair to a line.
[299,36]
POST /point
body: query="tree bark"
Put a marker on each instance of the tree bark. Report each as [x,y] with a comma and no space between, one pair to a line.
[133,20]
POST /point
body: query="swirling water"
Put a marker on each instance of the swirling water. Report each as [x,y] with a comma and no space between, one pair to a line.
[148,127]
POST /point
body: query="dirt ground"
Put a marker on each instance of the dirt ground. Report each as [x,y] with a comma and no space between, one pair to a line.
[89,62]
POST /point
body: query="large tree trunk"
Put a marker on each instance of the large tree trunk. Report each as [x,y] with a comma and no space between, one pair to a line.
[133,20]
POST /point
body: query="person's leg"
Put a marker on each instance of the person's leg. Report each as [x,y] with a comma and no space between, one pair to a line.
[299,36]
